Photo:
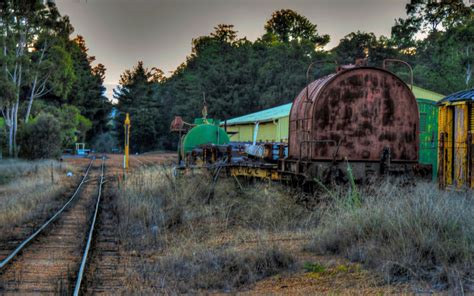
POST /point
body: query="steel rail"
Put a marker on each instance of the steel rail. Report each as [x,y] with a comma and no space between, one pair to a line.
[46,224]
[80,274]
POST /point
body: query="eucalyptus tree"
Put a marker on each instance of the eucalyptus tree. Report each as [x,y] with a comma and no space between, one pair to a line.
[33,60]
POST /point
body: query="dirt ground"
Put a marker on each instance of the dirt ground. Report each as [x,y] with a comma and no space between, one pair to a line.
[334,275]
[114,164]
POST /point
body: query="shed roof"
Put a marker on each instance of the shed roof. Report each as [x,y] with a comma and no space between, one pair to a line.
[421,93]
[263,116]
[284,110]
[463,95]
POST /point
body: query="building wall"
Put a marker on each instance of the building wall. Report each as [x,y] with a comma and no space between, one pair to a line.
[276,131]
[428,152]
[283,128]
[244,132]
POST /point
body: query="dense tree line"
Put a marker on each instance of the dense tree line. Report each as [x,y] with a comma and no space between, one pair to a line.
[238,76]
[45,74]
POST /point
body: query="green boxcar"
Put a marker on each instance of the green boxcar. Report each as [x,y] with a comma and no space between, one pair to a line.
[428,134]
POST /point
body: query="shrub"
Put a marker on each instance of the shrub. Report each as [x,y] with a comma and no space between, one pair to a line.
[313,267]
[40,138]
[221,269]
[408,233]
[73,125]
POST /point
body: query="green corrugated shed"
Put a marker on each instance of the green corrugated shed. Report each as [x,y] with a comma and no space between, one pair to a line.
[428,152]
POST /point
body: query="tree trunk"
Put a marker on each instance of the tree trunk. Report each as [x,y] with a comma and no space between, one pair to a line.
[10,141]
[15,129]
[33,93]
[30,102]
[10,132]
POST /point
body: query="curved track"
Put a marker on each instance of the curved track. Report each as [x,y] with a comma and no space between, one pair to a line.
[49,261]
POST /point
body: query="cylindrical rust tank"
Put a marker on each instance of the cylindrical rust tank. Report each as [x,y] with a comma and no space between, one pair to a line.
[358,113]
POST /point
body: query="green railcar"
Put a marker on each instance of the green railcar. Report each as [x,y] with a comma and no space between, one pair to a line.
[205,131]
[428,152]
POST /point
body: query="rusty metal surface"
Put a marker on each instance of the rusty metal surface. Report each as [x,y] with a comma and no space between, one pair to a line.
[177,124]
[357,112]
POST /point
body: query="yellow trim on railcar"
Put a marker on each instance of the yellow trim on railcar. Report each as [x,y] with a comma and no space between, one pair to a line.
[456,127]
[262,173]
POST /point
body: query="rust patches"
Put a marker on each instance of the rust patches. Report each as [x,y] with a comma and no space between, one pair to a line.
[389,111]
[366,108]
[388,136]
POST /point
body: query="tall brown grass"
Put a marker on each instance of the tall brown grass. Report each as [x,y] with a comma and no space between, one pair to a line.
[27,191]
[190,234]
[413,232]
[199,231]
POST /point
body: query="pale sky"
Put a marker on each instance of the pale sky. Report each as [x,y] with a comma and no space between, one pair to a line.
[119,32]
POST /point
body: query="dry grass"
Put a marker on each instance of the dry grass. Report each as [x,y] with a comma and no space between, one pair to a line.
[211,269]
[192,240]
[26,192]
[184,239]
[410,233]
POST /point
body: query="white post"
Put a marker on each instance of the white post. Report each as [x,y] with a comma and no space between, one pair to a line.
[255,133]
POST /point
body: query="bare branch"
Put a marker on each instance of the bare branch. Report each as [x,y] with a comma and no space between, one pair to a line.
[45,92]
[45,80]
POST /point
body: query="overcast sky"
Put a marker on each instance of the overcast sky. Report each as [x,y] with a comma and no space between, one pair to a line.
[159,32]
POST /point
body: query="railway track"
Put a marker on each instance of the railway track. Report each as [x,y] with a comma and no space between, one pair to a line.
[53,259]
[106,270]
[145,161]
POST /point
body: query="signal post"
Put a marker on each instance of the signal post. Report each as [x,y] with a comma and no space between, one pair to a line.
[126,156]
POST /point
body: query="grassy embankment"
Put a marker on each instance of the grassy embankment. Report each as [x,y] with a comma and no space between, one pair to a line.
[416,233]
[184,239]
[27,191]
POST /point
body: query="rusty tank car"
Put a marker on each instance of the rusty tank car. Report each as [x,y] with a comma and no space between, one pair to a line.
[355,124]
[361,117]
